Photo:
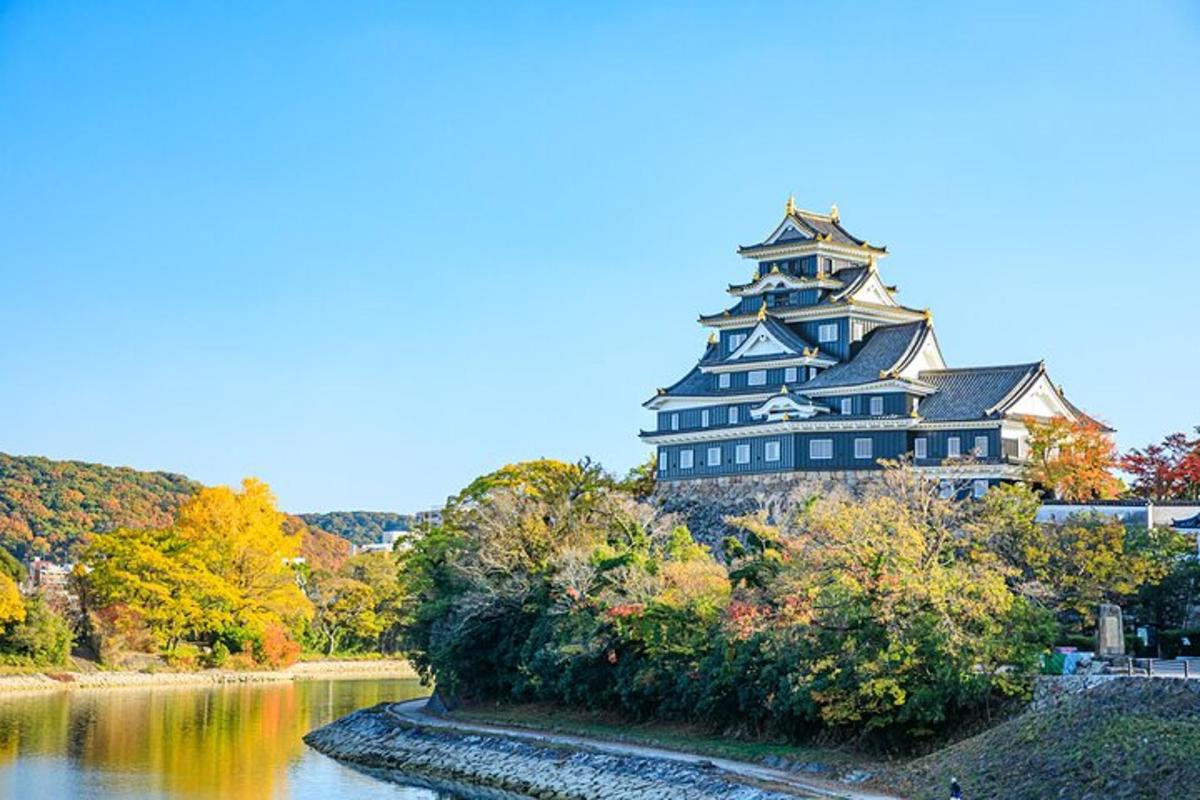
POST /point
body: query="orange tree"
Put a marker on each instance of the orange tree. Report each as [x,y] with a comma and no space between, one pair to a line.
[1072,459]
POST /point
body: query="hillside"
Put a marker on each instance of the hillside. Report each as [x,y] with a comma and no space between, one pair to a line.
[47,506]
[358,527]
[1124,739]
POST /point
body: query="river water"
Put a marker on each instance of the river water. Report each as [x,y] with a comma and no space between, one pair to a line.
[238,742]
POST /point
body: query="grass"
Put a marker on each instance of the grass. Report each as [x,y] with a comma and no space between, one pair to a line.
[682,737]
[1121,741]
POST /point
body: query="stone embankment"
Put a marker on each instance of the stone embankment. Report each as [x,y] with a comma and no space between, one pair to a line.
[492,766]
[48,681]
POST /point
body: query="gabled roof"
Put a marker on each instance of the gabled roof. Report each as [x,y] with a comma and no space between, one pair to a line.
[799,225]
[1189,524]
[976,392]
[885,350]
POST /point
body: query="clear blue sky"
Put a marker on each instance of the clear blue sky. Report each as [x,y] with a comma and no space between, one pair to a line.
[368,252]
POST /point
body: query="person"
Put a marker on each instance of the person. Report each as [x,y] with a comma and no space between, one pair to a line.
[955,790]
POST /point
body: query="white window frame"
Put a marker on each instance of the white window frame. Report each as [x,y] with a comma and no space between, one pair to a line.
[735,341]
[723,380]
[675,421]
[921,447]
[756,377]
[857,330]
[772,450]
[733,415]
[981,447]
[687,459]
[876,406]
[953,447]
[864,448]
[704,418]
[827,332]
[826,446]
[789,375]
[848,406]
[741,454]
[664,461]
[812,373]
[979,488]
[713,459]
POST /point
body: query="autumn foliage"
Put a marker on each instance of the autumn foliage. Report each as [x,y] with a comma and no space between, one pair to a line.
[1072,459]
[1169,470]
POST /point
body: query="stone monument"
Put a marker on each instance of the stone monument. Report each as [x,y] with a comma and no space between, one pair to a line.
[1110,632]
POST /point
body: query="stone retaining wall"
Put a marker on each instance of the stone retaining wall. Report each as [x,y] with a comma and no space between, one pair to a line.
[704,504]
[494,766]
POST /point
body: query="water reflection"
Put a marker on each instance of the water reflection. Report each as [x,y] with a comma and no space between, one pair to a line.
[238,742]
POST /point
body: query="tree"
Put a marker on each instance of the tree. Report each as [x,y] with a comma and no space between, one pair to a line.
[1166,471]
[341,607]
[223,567]
[12,608]
[1074,460]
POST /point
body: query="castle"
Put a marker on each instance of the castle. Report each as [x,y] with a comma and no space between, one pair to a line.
[816,368]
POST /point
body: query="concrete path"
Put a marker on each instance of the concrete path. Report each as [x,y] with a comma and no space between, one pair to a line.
[414,711]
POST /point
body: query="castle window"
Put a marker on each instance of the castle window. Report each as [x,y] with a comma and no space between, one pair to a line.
[820,449]
[921,448]
[757,377]
[686,459]
[980,488]
[857,330]
[862,448]
[714,456]
[723,380]
[847,405]
[827,332]
[876,406]
[663,461]
[812,373]
[735,341]
[742,454]
[771,451]
[953,447]
[733,415]
[704,418]
[674,422]
[981,447]
[789,375]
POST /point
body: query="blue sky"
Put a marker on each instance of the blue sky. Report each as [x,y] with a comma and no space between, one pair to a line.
[368,253]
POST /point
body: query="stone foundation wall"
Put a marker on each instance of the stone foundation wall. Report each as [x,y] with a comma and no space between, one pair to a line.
[704,504]
[480,767]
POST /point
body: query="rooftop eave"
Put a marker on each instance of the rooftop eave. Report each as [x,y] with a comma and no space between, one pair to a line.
[808,247]
[791,281]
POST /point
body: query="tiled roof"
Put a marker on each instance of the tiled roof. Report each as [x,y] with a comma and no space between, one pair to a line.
[882,350]
[968,394]
[1191,523]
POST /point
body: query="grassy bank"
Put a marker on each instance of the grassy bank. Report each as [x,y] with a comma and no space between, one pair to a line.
[1120,741]
[682,737]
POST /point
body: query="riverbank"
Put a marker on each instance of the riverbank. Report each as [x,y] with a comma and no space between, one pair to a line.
[56,680]
[401,739]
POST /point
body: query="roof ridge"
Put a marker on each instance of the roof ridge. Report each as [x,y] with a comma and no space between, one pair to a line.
[996,368]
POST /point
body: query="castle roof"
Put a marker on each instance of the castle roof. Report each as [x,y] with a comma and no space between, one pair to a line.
[975,392]
[884,353]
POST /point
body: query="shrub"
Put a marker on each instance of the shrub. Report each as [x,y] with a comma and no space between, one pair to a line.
[184,656]
[43,637]
[276,649]
[219,655]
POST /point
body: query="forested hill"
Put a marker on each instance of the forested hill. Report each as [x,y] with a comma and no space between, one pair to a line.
[359,527]
[47,506]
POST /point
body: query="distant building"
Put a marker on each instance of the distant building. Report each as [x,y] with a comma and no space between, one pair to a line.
[817,368]
[432,516]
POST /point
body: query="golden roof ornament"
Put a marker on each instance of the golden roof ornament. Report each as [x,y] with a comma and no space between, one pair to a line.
[928,315]
[786,417]
[661,392]
[783,389]
[790,208]
[775,268]
[834,214]
[871,265]
[762,311]
[712,338]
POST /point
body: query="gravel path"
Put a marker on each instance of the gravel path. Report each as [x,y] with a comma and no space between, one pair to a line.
[413,711]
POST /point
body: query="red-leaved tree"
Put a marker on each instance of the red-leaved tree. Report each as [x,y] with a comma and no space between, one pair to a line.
[1166,471]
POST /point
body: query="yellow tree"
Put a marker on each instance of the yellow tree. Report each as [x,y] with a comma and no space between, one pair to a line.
[241,537]
[12,609]
[1074,460]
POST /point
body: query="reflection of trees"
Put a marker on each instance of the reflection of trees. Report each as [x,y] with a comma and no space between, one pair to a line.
[230,742]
